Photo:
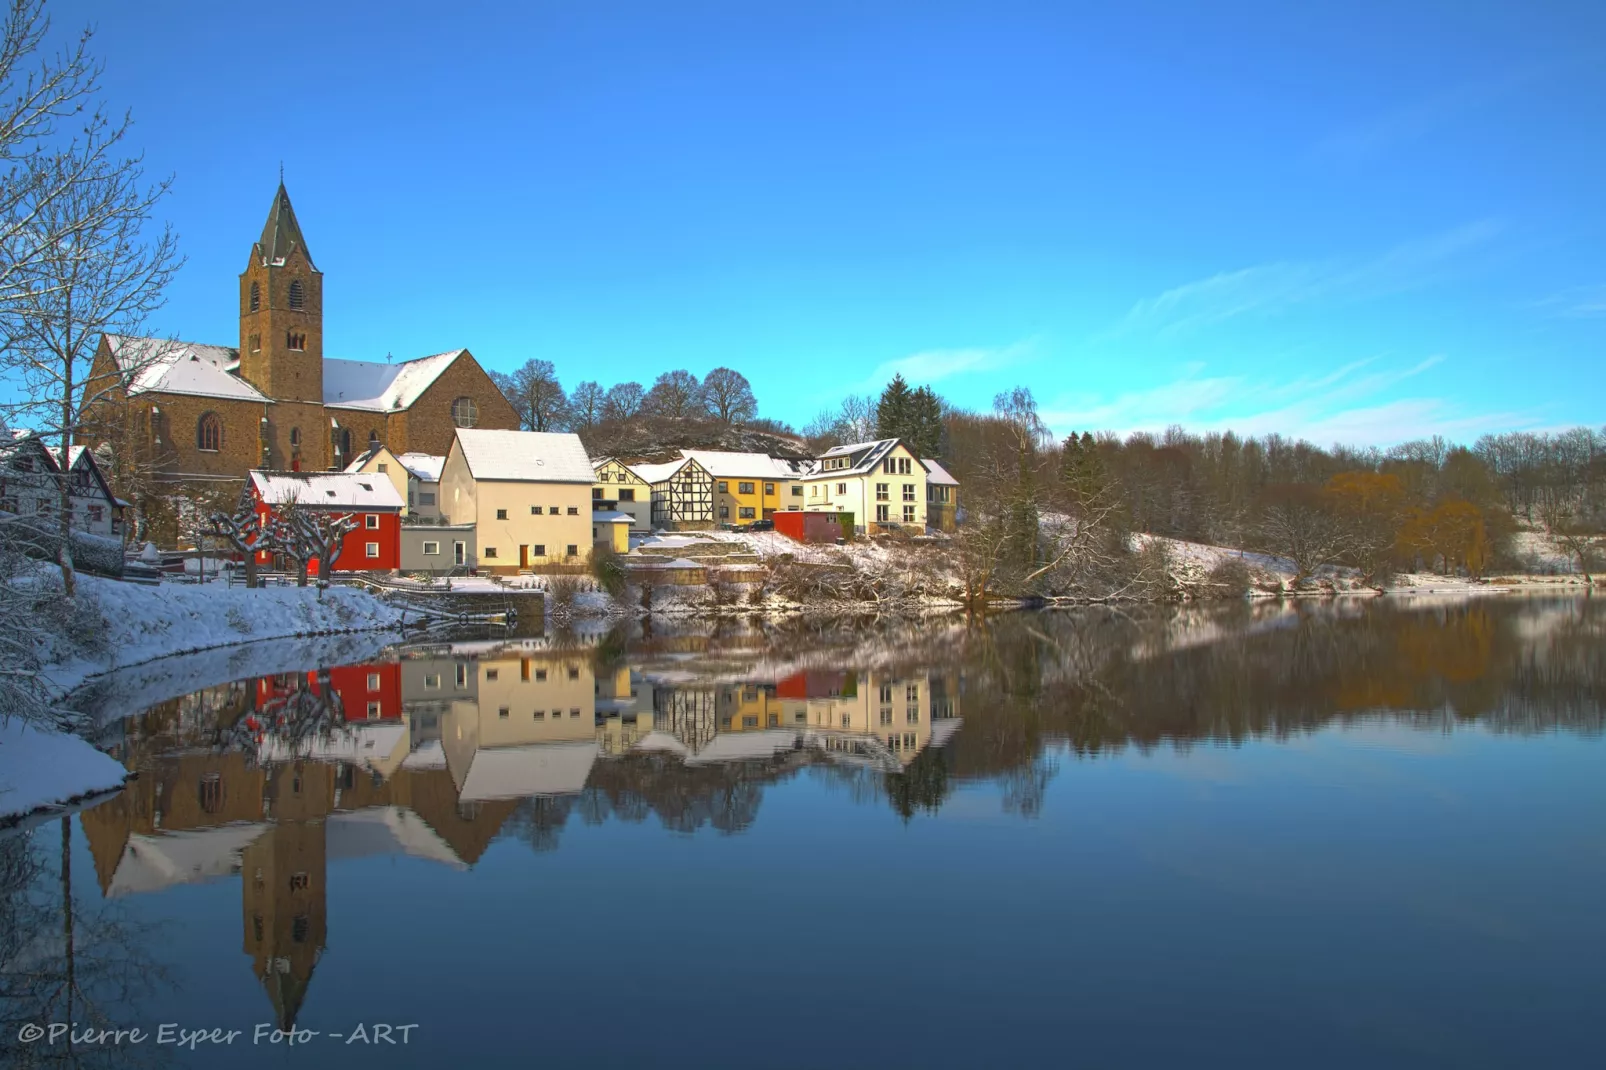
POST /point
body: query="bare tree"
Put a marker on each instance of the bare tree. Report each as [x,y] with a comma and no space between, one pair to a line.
[1299,525]
[74,263]
[309,535]
[536,395]
[245,530]
[853,421]
[586,405]
[676,395]
[623,401]
[729,396]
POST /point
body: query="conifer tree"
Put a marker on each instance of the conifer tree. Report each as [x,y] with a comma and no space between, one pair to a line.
[893,412]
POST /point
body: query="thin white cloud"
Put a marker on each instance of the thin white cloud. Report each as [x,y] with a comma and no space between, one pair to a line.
[1577,302]
[1416,119]
[935,365]
[1340,406]
[1272,289]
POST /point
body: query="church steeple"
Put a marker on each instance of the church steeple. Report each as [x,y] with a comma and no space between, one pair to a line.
[281,310]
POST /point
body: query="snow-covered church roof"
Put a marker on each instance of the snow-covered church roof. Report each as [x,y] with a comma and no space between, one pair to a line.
[164,366]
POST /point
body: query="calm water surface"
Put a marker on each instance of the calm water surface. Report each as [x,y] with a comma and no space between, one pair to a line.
[1371,834]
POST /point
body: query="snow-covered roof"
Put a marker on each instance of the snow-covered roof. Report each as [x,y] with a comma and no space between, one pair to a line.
[936,473]
[612,517]
[536,769]
[161,365]
[327,490]
[745,746]
[943,729]
[424,466]
[658,473]
[376,386]
[865,456]
[722,464]
[427,755]
[525,456]
[153,862]
[385,830]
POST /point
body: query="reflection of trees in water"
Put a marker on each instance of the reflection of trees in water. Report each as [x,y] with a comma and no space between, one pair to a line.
[724,796]
[65,960]
[538,821]
[1102,680]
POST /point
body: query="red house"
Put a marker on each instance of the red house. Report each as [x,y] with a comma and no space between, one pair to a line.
[375,543]
[369,692]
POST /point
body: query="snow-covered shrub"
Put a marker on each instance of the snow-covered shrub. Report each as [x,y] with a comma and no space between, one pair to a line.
[97,553]
[1230,578]
[560,594]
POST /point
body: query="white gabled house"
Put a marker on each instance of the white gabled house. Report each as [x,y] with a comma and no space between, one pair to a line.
[527,494]
[29,485]
[882,483]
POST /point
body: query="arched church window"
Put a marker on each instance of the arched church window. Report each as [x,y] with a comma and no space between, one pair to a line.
[373,439]
[256,296]
[465,413]
[295,436]
[342,443]
[209,432]
[298,297]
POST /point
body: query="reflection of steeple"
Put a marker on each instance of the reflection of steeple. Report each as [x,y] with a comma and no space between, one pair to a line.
[285,906]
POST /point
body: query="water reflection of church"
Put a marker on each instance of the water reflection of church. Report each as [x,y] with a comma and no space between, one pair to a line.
[429,756]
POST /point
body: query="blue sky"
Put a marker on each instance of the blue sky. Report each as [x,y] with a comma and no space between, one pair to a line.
[1347,221]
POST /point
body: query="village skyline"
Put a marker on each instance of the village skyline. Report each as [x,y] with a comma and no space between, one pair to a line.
[1324,281]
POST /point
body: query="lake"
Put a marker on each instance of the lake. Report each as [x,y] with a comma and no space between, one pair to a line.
[1341,834]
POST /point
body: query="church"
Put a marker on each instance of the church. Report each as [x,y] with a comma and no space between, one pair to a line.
[182,412]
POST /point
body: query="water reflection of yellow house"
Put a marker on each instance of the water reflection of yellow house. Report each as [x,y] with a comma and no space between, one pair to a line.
[530,731]
[899,710]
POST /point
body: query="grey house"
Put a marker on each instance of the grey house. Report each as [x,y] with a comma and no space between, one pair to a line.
[438,548]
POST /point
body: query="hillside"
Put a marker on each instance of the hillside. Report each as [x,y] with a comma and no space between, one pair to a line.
[661,439]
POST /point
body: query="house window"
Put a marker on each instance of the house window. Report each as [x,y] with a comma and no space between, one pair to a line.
[465,413]
[908,492]
[596,494]
[797,491]
[383,467]
[540,674]
[724,487]
[574,673]
[432,548]
[490,552]
[605,477]
[724,512]
[572,551]
[886,715]
[744,488]
[769,488]
[749,722]
[373,549]
[209,432]
[502,712]
[912,715]
[908,514]
[426,497]
[97,513]
[373,711]
[540,715]
[538,550]
[535,510]
[371,521]
[433,681]
[462,674]
[627,494]
[881,492]
[911,693]
[298,295]
[492,674]
[256,296]
[501,514]
[841,488]
[211,792]
[886,692]
[574,510]
[882,513]
[373,681]
[745,513]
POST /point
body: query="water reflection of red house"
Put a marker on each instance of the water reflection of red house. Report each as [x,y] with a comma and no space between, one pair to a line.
[366,692]
[814,685]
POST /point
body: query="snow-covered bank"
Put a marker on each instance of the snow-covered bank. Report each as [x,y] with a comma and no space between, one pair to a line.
[45,770]
[144,623]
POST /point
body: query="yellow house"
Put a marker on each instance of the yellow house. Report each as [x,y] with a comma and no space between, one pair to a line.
[942,496]
[618,483]
[527,493]
[882,483]
[750,486]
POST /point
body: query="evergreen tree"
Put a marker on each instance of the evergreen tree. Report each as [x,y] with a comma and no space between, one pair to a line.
[925,432]
[893,412]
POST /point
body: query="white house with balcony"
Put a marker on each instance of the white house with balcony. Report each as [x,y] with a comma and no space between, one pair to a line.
[882,483]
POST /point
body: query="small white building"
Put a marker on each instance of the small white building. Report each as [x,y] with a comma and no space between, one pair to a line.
[30,474]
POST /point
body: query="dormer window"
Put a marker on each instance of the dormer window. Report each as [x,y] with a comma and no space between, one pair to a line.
[298,296]
[256,296]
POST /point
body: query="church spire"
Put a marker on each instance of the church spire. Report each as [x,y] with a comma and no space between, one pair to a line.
[282,233]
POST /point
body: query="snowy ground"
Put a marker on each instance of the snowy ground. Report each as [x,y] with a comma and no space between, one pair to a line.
[144,623]
[44,770]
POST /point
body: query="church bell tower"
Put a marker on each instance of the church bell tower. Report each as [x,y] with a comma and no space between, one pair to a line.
[281,311]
